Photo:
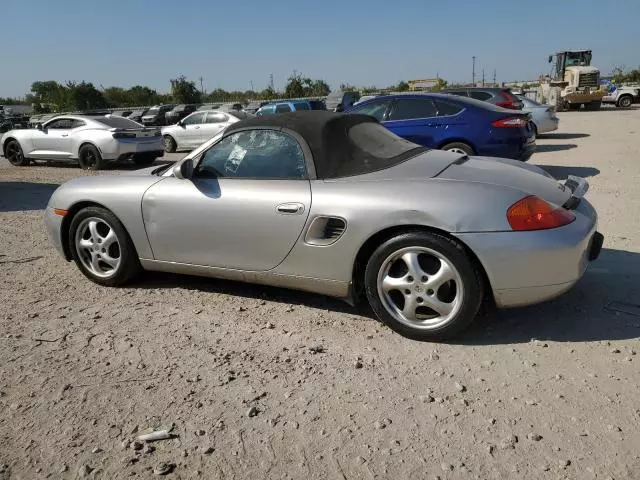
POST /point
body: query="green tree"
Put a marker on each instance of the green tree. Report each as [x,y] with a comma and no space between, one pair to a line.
[138,96]
[440,84]
[84,96]
[402,86]
[294,87]
[268,93]
[184,91]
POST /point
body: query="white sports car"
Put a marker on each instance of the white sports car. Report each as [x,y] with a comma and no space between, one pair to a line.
[91,140]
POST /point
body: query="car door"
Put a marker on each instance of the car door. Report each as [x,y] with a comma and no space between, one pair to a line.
[214,123]
[190,134]
[414,119]
[244,207]
[54,140]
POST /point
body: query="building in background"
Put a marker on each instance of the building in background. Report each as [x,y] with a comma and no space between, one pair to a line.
[424,84]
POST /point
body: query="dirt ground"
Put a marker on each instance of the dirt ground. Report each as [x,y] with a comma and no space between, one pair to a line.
[550,391]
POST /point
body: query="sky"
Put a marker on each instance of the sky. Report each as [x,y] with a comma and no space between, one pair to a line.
[232,43]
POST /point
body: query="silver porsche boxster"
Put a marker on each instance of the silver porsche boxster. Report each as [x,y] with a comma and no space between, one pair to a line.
[338,205]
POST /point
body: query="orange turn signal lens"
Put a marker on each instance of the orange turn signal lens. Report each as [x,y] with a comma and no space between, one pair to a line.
[61,212]
[533,213]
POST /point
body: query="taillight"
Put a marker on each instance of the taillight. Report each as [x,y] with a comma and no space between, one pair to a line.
[533,213]
[507,101]
[510,122]
[124,135]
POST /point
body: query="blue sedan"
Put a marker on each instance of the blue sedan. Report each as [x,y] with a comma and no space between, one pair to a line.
[457,124]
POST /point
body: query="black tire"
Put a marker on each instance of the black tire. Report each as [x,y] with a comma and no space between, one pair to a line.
[458,147]
[535,129]
[89,158]
[625,101]
[469,274]
[129,265]
[169,144]
[144,159]
[14,154]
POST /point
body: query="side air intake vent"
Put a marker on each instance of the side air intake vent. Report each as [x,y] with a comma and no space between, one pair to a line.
[325,230]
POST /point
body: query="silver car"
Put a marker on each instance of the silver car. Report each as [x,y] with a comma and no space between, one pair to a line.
[543,117]
[338,205]
[195,129]
[91,140]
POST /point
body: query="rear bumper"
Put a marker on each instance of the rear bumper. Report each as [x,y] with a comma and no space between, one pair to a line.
[516,144]
[123,148]
[530,267]
[547,125]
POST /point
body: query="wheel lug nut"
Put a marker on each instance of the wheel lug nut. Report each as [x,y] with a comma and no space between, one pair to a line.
[419,300]
[407,291]
[410,278]
[429,292]
[424,279]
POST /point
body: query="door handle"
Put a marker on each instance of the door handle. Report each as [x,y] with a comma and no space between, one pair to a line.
[64,135]
[290,208]
[197,127]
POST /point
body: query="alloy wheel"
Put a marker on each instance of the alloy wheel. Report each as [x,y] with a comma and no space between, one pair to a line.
[14,153]
[420,287]
[98,247]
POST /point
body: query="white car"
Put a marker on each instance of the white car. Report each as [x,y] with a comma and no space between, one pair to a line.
[92,140]
[195,129]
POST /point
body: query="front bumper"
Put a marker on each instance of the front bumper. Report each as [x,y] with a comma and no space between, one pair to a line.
[53,223]
[525,268]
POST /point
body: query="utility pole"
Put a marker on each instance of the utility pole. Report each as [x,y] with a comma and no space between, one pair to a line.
[494,78]
[473,71]
[271,82]
[483,77]
[251,83]
[201,86]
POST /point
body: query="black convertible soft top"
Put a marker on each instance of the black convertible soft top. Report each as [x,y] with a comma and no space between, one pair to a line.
[341,145]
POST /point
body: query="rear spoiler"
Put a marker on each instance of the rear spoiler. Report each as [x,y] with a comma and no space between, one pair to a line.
[578,187]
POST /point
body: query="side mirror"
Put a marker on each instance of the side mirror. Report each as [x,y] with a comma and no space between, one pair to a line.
[184,170]
[39,126]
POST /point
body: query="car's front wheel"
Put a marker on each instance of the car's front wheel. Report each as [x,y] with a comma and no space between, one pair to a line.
[101,247]
[625,101]
[13,152]
[424,285]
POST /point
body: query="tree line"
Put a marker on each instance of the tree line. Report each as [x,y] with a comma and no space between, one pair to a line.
[51,96]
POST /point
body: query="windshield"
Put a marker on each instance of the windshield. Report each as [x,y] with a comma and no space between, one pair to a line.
[153,110]
[581,59]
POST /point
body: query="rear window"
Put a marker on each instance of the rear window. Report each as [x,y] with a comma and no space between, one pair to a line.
[118,122]
[153,110]
[480,95]
[302,106]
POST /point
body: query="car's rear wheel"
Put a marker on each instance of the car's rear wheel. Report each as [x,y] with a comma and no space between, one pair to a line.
[169,144]
[535,129]
[13,152]
[458,147]
[101,247]
[424,285]
[625,101]
[89,158]
[144,159]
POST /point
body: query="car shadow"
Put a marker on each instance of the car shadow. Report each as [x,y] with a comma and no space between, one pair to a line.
[21,196]
[155,280]
[563,136]
[555,148]
[560,172]
[594,310]
[588,312]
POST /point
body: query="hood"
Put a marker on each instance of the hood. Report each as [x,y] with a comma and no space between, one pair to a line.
[514,174]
